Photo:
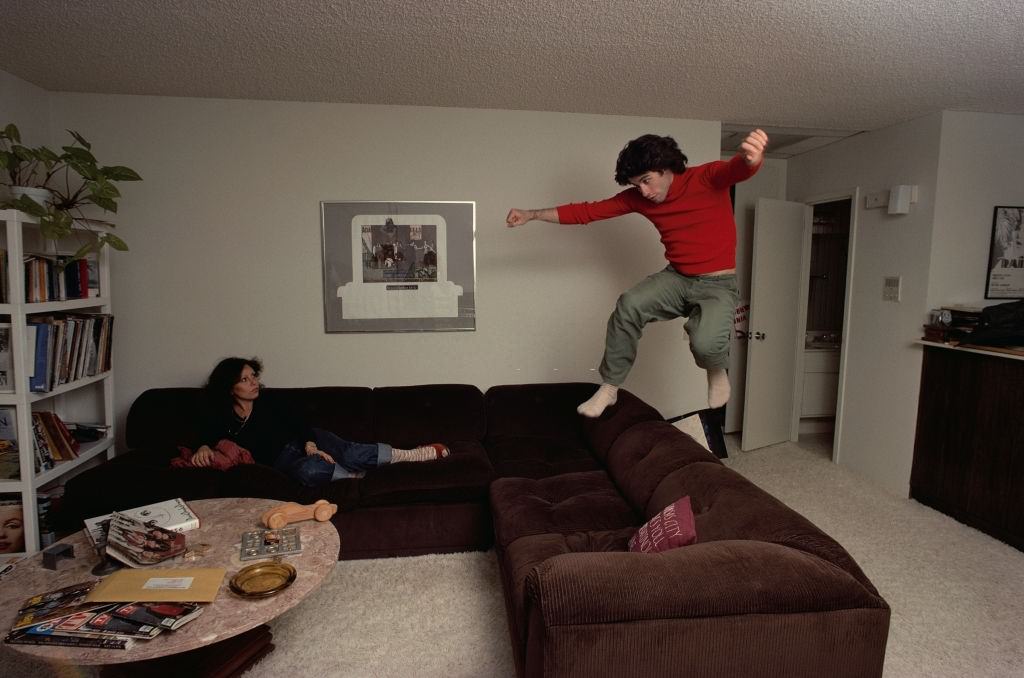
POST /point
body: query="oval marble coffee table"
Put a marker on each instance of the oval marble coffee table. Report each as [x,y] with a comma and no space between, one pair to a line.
[222,523]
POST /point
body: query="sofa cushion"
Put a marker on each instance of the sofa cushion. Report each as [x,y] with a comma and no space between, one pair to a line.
[346,411]
[727,506]
[647,452]
[526,553]
[538,410]
[462,476]
[163,418]
[406,416]
[573,502]
[538,457]
[602,432]
[670,529]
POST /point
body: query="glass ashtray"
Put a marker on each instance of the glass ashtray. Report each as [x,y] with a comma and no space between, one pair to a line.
[262,579]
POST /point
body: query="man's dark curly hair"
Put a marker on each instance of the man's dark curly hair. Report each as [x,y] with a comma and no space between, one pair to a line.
[648,153]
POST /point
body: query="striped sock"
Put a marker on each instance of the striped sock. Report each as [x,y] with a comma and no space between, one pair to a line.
[421,453]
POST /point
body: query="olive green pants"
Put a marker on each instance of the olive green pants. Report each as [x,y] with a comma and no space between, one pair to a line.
[707,301]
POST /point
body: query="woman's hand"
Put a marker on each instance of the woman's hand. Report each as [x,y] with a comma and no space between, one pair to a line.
[203,456]
[311,449]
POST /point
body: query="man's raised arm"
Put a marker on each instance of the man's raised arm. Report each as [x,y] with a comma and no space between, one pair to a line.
[518,217]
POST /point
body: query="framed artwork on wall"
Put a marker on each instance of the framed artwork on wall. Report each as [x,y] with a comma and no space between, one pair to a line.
[399,266]
[1005,278]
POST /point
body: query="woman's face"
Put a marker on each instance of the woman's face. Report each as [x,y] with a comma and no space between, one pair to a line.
[248,385]
[12,530]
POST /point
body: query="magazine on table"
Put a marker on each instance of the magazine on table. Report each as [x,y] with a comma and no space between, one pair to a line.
[138,543]
[167,615]
[173,514]
[104,643]
[55,604]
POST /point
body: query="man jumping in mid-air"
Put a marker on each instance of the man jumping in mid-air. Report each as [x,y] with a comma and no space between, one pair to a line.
[692,211]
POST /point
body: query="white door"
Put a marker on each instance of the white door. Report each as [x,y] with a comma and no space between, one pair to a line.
[777,307]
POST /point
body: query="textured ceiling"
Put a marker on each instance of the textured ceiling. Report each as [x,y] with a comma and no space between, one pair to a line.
[832,66]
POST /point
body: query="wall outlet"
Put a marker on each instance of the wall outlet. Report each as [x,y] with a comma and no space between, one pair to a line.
[891,288]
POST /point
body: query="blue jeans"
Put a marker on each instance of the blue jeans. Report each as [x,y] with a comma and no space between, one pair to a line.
[350,459]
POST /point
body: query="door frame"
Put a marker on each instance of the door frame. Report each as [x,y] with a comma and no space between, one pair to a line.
[853,195]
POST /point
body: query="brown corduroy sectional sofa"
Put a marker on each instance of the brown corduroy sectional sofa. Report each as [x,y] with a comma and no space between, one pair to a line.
[762,592]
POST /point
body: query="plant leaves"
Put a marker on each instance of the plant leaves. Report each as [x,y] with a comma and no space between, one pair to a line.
[29,206]
[80,139]
[87,248]
[114,241]
[12,133]
[109,204]
[120,173]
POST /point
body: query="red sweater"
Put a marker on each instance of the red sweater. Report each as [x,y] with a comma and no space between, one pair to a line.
[695,220]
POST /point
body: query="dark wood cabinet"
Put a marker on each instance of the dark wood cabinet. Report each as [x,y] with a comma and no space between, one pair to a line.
[969,446]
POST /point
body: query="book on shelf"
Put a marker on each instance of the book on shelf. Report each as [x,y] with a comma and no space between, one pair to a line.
[139,544]
[173,514]
[10,464]
[41,448]
[5,292]
[6,360]
[55,278]
[69,347]
[55,437]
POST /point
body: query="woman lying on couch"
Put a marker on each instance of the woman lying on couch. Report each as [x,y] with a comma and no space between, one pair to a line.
[276,437]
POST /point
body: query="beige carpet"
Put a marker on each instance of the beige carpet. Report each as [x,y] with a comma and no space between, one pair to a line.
[957,595]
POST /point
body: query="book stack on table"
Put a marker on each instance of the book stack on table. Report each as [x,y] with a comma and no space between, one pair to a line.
[69,617]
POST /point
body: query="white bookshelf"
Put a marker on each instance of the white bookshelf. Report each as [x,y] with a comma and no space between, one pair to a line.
[88,399]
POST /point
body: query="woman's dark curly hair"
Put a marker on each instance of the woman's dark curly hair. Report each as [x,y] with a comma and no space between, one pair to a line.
[648,153]
[224,377]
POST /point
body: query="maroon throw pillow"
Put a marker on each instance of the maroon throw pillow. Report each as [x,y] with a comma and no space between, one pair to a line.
[670,529]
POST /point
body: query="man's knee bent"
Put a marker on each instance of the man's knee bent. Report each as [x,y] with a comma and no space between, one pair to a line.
[710,352]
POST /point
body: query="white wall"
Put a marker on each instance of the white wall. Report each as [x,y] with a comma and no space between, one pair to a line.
[27,106]
[883,377]
[226,253]
[981,165]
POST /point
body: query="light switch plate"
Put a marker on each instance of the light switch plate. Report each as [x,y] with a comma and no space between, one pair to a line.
[891,288]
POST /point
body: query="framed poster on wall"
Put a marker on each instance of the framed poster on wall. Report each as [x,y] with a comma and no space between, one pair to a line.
[1006,255]
[398,266]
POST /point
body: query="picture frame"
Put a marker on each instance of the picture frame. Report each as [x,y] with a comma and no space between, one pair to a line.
[398,266]
[1005,277]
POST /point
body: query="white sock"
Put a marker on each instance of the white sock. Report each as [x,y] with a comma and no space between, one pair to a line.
[718,387]
[605,396]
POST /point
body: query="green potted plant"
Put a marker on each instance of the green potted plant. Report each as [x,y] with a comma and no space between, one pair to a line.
[73,179]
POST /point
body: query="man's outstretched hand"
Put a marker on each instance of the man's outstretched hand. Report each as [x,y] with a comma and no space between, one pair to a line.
[518,217]
[752,148]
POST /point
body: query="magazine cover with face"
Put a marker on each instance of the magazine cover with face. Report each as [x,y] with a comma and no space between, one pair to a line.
[138,543]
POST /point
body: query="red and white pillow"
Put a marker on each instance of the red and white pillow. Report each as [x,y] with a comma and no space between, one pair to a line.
[671,528]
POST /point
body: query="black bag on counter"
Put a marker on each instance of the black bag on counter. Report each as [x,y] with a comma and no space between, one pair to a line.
[1000,325]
